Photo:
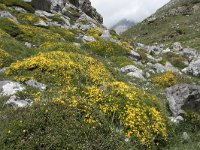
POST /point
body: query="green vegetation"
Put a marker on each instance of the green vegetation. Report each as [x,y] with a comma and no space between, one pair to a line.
[89,104]
[106,48]
[57,18]
[27,18]
[19,3]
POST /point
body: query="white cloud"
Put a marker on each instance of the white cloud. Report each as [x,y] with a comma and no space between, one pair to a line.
[135,10]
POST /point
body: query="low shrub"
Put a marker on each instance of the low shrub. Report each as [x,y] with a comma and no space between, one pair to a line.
[5,58]
[166,79]
[175,59]
[57,18]
[85,85]
[27,18]
[54,126]
[66,34]
[9,26]
[106,48]
[19,3]
[94,32]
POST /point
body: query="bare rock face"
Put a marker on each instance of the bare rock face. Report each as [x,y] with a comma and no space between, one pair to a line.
[76,6]
[8,88]
[183,97]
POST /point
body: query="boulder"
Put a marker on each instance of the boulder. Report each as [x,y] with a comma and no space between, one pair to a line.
[36,84]
[135,55]
[177,46]
[106,35]
[189,53]
[8,88]
[193,68]
[159,68]
[133,71]
[155,50]
[6,14]
[3,70]
[183,97]
[88,39]
[170,67]
[177,119]
[15,101]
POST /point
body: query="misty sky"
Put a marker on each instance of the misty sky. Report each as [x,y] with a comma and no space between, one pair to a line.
[135,10]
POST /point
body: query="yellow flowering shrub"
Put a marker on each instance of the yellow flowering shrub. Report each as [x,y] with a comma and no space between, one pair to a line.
[94,32]
[87,87]
[62,68]
[166,79]
[131,109]
[106,48]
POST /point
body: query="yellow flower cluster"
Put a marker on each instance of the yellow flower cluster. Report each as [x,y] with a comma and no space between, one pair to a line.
[166,79]
[94,32]
[63,68]
[3,57]
[106,48]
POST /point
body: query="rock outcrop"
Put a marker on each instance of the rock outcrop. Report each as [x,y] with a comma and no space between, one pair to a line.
[183,97]
[71,8]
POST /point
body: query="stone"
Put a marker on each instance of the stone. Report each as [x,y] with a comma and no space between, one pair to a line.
[41,23]
[15,101]
[182,97]
[133,71]
[159,68]
[185,136]
[167,50]
[177,119]
[88,39]
[193,68]
[8,88]
[177,46]
[170,67]
[106,35]
[6,14]
[135,55]
[42,13]
[36,84]
[28,45]
[189,53]
[77,44]
[3,70]
[155,50]
[19,9]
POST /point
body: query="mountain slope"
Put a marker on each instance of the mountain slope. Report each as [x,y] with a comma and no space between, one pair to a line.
[177,21]
[67,82]
[122,26]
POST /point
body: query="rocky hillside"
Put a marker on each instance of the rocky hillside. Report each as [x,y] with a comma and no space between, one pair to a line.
[122,26]
[67,82]
[178,21]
